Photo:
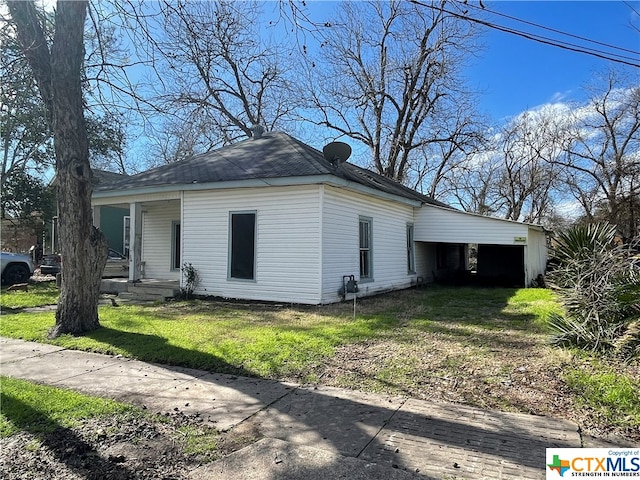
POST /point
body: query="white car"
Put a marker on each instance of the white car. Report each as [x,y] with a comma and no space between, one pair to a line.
[16,268]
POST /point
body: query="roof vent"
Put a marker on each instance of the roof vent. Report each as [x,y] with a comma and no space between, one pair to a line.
[256,131]
[337,152]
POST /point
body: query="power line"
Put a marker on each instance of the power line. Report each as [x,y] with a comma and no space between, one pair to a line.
[611,56]
[537,25]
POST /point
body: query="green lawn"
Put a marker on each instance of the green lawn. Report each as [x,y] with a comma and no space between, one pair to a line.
[484,347]
[266,342]
[42,409]
[51,414]
[282,342]
[39,294]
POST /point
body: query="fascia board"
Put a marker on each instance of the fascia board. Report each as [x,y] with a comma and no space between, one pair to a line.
[462,212]
[252,183]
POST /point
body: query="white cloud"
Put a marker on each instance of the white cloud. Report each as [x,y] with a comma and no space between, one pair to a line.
[560,97]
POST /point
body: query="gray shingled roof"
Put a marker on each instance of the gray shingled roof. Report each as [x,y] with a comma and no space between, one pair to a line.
[274,155]
[105,177]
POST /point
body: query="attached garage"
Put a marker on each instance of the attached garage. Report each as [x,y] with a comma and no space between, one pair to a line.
[508,253]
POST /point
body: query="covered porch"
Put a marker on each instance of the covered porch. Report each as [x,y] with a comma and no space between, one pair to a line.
[151,239]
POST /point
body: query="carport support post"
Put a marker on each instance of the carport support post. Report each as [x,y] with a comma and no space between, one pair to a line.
[135,242]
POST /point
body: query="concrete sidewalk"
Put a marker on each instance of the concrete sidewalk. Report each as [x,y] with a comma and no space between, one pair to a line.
[311,432]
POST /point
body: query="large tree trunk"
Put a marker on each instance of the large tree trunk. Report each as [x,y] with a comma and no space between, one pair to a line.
[83,247]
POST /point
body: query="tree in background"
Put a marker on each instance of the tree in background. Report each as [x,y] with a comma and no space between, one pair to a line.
[388,77]
[217,76]
[471,184]
[527,148]
[27,140]
[602,161]
[57,70]
[438,161]
[513,174]
[24,131]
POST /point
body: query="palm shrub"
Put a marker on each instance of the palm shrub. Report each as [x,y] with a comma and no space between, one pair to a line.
[599,286]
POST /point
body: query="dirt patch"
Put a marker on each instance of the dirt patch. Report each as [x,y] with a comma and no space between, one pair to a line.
[515,373]
[115,447]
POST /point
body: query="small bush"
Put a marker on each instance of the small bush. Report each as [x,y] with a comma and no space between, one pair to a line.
[191,281]
[598,284]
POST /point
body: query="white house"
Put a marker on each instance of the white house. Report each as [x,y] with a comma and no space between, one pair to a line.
[271,219]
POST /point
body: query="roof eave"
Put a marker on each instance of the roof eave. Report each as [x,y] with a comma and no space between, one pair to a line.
[327,179]
[531,225]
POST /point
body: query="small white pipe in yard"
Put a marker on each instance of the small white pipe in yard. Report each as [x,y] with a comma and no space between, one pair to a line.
[354,305]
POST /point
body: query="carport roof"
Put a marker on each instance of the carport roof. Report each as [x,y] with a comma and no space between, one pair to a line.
[273,155]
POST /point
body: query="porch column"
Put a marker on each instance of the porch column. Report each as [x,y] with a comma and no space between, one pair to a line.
[96,216]
[135,242]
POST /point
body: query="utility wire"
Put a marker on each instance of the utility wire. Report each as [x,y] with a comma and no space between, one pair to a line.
[631,61]
[537,25]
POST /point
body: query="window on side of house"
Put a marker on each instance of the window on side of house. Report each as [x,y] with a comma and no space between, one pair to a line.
[242,245]
[411,254]
[366,251]
[176,250]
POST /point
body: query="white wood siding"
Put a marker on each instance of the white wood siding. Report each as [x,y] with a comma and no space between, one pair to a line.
[434,224]
[340,246]
[425,260]
[535,255]
[156,239]
[287,242]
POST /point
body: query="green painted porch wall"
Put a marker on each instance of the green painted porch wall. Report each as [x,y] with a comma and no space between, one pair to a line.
[112,225]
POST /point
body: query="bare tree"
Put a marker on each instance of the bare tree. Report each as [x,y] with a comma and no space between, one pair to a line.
[388,77]
[514,174]
[438,161]
[528,148]
[471,184]
[214,67]
[177,139]
[58,73]
[603,158]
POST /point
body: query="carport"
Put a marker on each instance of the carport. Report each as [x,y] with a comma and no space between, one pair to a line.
[507,253]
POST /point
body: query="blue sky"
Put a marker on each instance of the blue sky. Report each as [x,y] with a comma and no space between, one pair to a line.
[516,74]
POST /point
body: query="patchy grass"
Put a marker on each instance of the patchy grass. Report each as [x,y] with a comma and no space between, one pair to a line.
[50,432]
[39,294]
[606,395]
[484,347]
[42,409]
[200,441]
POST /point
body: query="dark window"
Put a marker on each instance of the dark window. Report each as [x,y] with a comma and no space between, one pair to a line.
[366,266]
[243,246]
[411,259]
[175,247]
